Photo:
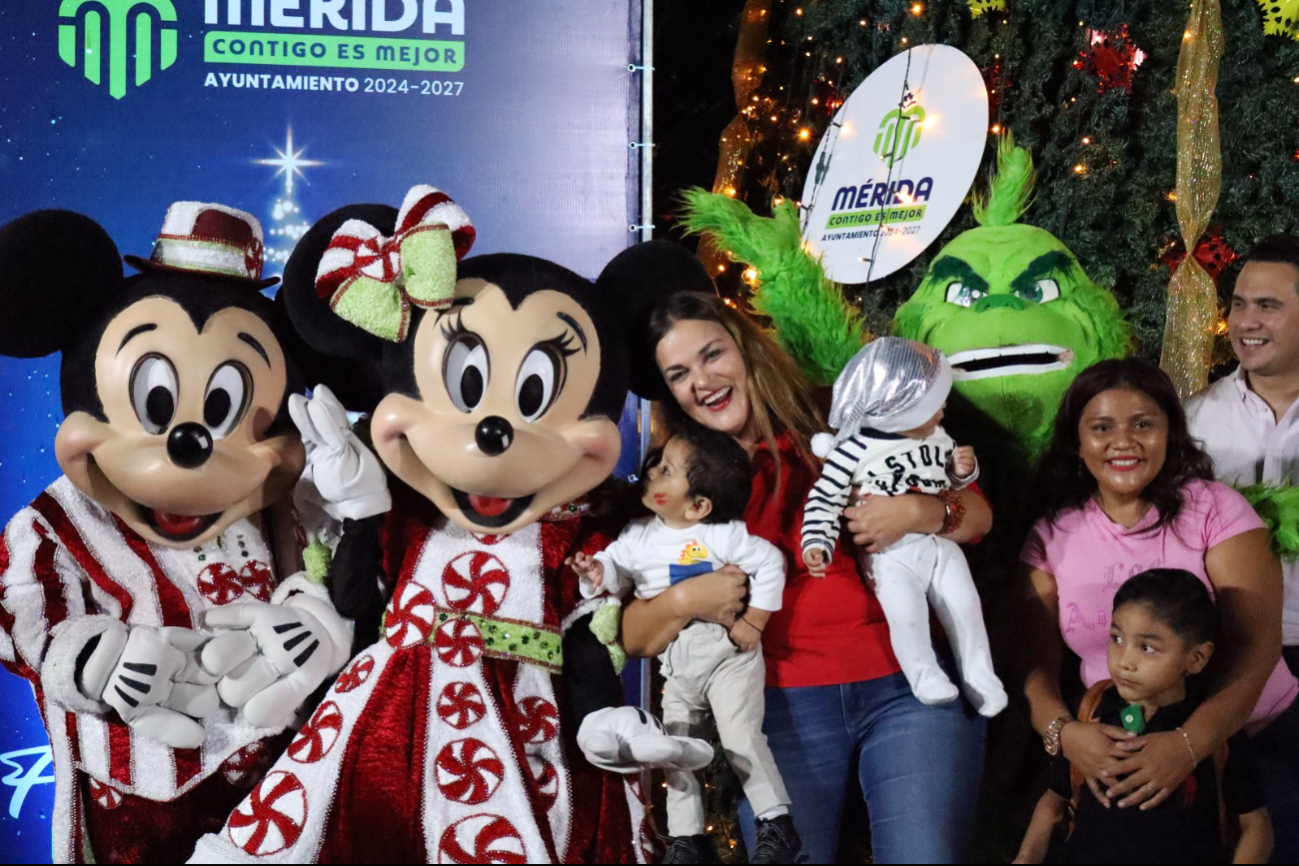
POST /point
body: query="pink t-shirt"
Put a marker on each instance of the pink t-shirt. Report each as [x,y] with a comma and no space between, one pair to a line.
[1091,556]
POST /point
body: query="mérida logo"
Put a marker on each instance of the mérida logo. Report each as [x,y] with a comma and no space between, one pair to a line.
[103,35]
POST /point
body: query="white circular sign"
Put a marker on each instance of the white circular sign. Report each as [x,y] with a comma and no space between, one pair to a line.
[896,163]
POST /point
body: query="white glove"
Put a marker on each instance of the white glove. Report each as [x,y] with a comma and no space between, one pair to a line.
[299,644]
[349,477]
[628,739]
[135,671]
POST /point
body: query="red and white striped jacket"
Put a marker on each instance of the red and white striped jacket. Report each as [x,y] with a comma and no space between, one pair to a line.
[66,564]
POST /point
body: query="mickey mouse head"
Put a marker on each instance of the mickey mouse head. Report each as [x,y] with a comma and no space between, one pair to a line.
[173,381]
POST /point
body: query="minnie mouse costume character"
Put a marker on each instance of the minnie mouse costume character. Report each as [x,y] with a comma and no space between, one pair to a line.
[174,443]
[502,382]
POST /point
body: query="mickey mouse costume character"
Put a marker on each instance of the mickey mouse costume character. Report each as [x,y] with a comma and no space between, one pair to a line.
[502,382]
[174,443]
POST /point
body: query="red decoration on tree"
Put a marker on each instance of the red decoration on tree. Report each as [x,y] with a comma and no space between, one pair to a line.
[1111,57]
[1213,253]
[994,76]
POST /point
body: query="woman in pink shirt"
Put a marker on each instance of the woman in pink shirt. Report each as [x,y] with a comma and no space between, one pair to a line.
[1124,488]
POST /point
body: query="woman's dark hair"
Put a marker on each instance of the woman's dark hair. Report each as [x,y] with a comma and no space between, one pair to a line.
[717,469]
[1175,597]
[1063,481]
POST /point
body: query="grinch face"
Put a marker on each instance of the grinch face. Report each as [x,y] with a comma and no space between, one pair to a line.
[1014,312]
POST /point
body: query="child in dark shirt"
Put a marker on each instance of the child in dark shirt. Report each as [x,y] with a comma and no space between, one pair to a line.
[1161,633]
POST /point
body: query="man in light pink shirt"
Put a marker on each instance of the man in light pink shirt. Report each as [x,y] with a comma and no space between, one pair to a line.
[1248,422]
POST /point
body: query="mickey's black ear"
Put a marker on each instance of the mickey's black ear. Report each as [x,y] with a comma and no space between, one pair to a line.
[310,314]
[55,266]
[642,277]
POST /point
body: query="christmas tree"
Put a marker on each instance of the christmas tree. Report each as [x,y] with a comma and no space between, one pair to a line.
[1087,87]
[287,225]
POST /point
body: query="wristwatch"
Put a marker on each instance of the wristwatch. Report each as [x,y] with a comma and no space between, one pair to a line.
[1051,739]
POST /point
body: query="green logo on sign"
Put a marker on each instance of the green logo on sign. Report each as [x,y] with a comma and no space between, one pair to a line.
[899,131]
[124,16]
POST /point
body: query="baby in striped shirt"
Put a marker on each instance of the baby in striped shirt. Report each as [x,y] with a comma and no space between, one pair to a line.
[888,403]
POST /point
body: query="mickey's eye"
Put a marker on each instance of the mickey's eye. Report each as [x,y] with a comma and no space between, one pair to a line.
[154,392]
[1043,292]
[962,295]
[466,371]
[227,397]
[540,379]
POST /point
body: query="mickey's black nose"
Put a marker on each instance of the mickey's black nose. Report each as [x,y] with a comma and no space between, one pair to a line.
[493,435]
[189,445]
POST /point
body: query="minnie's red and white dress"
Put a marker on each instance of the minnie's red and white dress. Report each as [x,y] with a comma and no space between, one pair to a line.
[445,740]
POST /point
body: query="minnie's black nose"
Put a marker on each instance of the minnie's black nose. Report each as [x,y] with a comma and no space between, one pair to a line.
[189,445]
[493,435]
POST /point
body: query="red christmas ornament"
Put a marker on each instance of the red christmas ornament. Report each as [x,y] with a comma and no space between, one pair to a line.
[1112,58]
[1213,253]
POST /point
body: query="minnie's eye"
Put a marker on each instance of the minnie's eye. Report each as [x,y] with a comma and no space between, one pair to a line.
[226,398]
[466,371]
[540,379]
[154,392]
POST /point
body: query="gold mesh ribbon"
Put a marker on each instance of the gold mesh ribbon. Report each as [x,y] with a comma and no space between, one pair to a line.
[737,138]
[1280,17]
[1192,305]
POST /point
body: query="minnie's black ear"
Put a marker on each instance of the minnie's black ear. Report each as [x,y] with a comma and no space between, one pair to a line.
[55,266]
[310,314]
[641,278]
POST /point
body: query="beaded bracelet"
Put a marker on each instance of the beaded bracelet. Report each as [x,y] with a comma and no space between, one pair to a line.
[1194,761]
[953,511]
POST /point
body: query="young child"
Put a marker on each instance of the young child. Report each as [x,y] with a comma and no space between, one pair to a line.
[887,405]
[697,487]
[1161,633]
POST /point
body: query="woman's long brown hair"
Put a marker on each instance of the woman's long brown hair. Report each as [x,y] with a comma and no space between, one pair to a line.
[780,397]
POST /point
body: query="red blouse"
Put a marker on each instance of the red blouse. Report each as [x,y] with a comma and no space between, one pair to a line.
[829,630]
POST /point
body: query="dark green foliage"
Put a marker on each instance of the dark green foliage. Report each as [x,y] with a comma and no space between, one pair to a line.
[1116,216]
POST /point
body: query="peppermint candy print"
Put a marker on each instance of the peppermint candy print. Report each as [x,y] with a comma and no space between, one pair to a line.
[458,643]
[537,720]
[272,817]
[104,796]
[461,704]
[256,578]
[318,735]
[468,771]
[481,839]
[220,584]
[355,676]
[475,582]
[409,620]
[238,766]
[547,779]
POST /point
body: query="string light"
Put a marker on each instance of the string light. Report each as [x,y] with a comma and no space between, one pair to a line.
[1080,169]
[750,276]
[996,129]
[917,8]
[799,12]
[804,134]
[1087,140]
[730,191]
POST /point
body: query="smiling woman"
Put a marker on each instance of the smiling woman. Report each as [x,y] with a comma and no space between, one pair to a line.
[1124,488]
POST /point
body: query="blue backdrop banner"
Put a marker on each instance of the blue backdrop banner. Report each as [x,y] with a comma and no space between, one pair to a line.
[522,110]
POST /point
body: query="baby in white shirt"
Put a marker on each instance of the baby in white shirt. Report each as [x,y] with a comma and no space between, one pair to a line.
[698,487]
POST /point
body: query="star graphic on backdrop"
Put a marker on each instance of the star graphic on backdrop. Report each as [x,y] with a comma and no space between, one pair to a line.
[289,162]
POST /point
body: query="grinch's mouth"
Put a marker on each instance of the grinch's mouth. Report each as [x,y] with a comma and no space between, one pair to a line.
[491,512]
[1028,359]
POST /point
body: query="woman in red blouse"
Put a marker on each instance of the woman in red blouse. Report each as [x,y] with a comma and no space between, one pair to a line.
[836,700]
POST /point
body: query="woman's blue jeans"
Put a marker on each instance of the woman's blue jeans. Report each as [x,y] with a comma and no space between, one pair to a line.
[918,767]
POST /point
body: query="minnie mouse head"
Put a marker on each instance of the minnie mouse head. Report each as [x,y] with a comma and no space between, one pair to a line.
[173,381]
[501,379]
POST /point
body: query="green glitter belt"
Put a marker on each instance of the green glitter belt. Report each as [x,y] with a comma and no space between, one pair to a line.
[528,642]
